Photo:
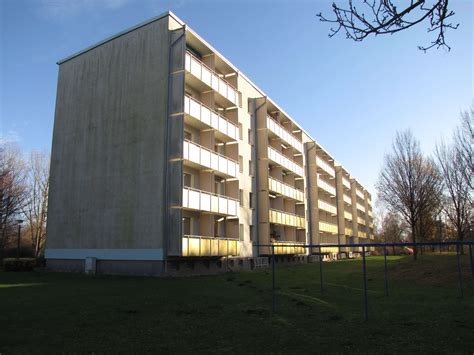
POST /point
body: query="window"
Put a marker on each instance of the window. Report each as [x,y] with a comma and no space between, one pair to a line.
[250,200]
[251,233]
[241,163]
[250,137]
[250,168]
[241,231]
[241,197]
[241,133]
[188,135]
[187,180]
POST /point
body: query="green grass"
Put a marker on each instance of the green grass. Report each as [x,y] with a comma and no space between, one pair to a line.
[53,312]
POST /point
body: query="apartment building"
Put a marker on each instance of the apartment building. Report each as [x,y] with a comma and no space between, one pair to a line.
[163,152]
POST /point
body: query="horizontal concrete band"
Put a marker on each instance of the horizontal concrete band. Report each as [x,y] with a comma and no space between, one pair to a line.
[105,254]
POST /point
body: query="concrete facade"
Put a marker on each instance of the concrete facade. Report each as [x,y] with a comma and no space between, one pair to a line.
[163,152]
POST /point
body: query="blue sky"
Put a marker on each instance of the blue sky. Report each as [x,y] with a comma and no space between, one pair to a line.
[351,97]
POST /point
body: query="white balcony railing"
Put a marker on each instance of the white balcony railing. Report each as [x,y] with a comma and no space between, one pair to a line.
[362,234]
[280,159]
[209,202]
[285,218]
[348,231]
[209,159]
[361,221]
[209,77]
[327,207]
[328,227]
[281,132]
[196,245]
[204,114]
[325,166]
[326,187]
[360,207]
[347,199]
[360,194]
[285,189]
[346,183]
[348,215]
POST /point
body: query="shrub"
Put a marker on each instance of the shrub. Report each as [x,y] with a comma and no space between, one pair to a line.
[19,264]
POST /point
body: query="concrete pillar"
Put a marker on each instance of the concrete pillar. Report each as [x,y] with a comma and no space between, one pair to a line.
[341,223]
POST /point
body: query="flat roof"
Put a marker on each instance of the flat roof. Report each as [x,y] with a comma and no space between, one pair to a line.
[171,14]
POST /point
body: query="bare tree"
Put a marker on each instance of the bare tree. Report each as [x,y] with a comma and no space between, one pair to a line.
[391,229]
[409,183]
[35,210]
[377,17]
[456,171]
[13,189]
[463,142]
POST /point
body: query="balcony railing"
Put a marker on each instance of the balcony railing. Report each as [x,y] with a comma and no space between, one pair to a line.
[209,77]
[360,207]
[195,245]
[326,187]
[285,218]
[361,221]
[285,189]
[280,159]
[369,213]
[281,132]
[362,234]
[209,202]
[288,247]
[346,183]
[348,215]
[360,194]
[204,114]
[347,199]
[325,166]
[348,231]
[210,159]
[327,207]
[327,227]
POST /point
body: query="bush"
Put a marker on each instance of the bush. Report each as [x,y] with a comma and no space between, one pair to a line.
[21,264]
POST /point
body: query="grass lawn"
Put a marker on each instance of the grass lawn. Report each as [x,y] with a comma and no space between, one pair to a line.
[53,312]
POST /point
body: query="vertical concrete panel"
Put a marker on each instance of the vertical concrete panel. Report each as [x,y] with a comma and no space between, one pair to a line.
[107,180]
[312,192]
[175,128]
[341,224]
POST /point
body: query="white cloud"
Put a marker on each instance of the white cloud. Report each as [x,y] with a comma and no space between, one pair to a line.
[60,9]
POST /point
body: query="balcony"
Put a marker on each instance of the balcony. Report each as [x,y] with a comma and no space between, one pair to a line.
[285,189]
[208,202]
[347,199]
[326,187]
[346,183]
[326,167]
[360,194]
[225,130]
[327,227]
[210,78]
[285,218]
[281,132]
[360,207]
[207,158]
[288,247]
[194,245]
[369,213]
[361,221]
[280,159]
[327,207]
[348,215]
[362,234]
[348,231]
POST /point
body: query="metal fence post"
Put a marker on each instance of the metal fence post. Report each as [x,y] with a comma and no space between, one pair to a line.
[365,284]
[273,280]
[472,260]
[385,268]
[458,257]
[321,270]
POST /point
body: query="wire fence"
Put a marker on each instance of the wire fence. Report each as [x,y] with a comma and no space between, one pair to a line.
[364,251]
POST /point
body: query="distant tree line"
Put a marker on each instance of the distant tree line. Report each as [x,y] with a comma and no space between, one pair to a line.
[24,188]
[428,198]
